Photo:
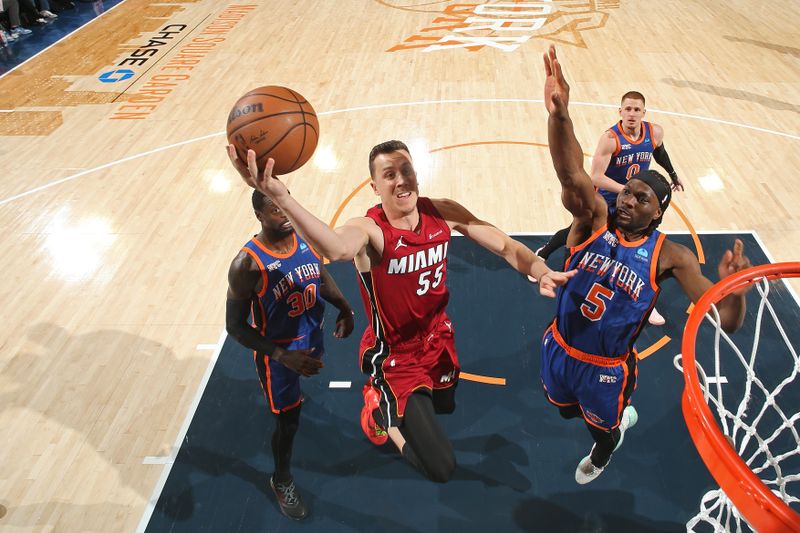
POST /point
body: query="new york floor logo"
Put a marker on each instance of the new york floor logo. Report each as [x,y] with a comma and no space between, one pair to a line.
[507,25]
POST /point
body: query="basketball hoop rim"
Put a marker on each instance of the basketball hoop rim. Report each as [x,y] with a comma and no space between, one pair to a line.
[754,500]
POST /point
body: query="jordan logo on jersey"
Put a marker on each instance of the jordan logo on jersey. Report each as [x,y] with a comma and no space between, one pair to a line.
[400,243]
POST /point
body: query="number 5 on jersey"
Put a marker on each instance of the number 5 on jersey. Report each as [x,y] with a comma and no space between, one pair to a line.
[424,282]
[595,304]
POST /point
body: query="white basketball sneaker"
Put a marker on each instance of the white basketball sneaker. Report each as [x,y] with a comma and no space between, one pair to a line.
[656,319]
[629,419]
[586,470]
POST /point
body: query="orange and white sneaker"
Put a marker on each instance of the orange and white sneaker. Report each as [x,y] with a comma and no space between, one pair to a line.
[374,432]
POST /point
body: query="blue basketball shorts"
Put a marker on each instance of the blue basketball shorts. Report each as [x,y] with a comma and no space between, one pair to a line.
[280,384]
[602,392]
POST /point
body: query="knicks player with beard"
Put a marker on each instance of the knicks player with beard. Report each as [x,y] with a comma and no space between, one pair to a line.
[588,360]
[400,252]
[624,149]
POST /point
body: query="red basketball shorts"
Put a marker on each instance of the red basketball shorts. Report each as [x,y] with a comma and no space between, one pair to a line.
[397,371]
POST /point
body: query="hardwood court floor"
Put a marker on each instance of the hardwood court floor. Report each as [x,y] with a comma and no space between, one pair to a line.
[120,212]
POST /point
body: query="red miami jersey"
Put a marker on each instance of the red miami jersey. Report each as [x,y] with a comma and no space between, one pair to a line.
[405,294]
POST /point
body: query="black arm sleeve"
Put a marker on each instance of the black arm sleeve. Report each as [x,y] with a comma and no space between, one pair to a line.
[236,315]
[662,158]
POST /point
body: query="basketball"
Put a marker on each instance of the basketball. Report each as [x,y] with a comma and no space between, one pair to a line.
[274,122]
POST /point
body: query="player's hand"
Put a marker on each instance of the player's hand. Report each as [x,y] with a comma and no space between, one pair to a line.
[298,360]
[554,279]
[344,324]
[677,184]
[239,165]
[734,261]
[261,179]
[556,88]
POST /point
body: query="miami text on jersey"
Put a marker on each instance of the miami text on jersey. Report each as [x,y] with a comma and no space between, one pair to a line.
[418,260]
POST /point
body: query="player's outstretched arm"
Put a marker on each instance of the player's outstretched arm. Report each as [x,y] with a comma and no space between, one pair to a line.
[519,256]
[243,277]
[330,291]
[577,193]
[686,269]
[339,245]
[600,160]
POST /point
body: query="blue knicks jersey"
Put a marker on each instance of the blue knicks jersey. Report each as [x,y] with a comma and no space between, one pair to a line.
[630,157]
[288,310]
[601,310]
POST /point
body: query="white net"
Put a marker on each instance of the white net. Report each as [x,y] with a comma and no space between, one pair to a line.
[756,402]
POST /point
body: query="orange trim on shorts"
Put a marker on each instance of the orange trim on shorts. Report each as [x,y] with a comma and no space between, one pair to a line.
[586,419]
[261,268]
[621,401]
[551,400]
[289,407]
[597,360]
[276,254]
[268,389]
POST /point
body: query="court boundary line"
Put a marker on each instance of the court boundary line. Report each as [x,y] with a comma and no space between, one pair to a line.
[379,106]
[176,447]
[67,36]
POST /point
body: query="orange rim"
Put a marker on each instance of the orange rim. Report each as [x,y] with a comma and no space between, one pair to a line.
[755,501]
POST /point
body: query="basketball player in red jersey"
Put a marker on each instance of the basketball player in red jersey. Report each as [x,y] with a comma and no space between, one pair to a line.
[400,251]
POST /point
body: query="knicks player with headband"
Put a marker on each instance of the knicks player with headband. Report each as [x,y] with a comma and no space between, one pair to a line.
[588,361]
[400,252]
[624,149]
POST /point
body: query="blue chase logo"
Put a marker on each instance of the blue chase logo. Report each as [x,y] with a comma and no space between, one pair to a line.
[113,76]
[642,254]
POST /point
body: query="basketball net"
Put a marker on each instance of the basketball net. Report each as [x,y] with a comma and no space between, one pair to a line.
[751,443]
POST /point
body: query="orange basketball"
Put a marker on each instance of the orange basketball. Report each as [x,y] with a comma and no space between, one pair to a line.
[274,122]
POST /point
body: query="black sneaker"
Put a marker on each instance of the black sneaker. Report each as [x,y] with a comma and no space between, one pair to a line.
[289,499]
